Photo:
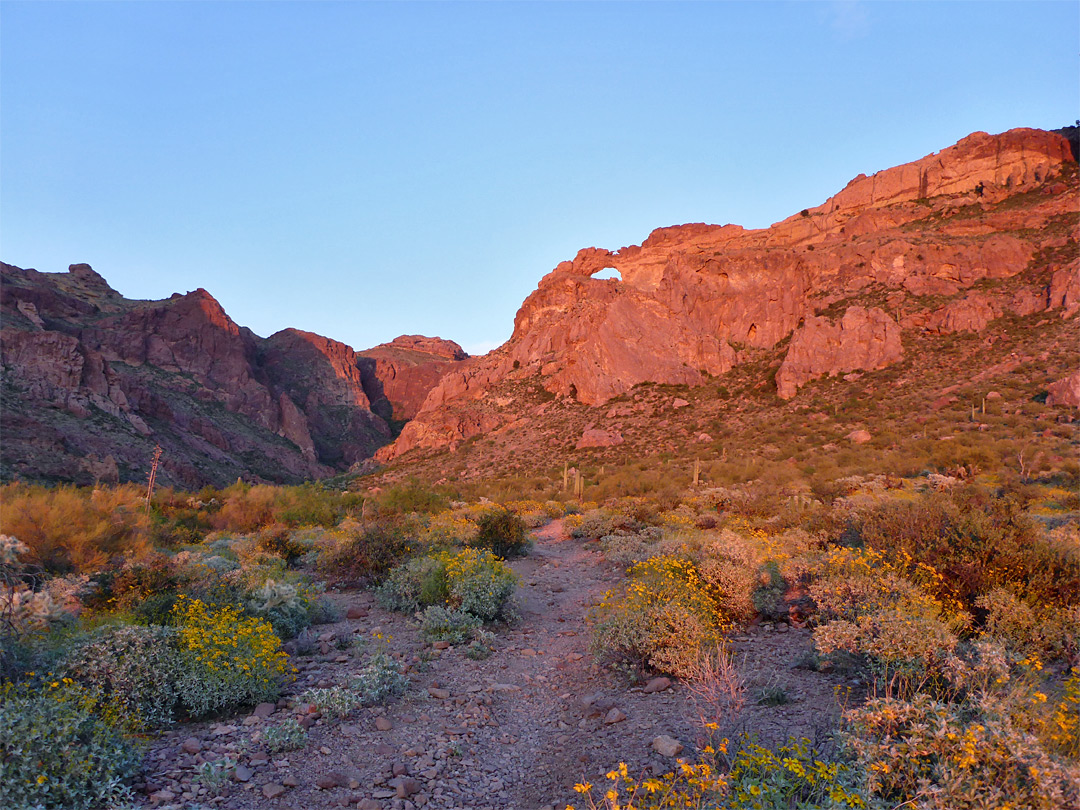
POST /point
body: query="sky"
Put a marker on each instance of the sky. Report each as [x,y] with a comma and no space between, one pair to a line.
[365,170]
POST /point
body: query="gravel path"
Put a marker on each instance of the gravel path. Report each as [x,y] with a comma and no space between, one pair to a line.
[512,732]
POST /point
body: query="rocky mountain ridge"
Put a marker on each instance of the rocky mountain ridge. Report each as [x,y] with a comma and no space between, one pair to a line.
[917,248]
[92,381]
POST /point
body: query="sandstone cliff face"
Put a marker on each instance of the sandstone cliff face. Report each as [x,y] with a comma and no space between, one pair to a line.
[862,339]
[399,375]
[901,249]
[93,381]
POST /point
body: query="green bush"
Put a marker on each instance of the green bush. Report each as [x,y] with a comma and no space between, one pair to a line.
[768,596]
[280,541]
[472,580]
[286,736]
[61,747]
[447,624]
[368,553]
[380,679]
[503,533]
[135,668]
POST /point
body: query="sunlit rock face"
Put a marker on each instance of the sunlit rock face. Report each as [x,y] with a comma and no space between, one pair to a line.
[901,249]
[94,381]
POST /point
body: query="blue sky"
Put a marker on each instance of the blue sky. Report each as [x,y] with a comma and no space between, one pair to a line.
[364,170]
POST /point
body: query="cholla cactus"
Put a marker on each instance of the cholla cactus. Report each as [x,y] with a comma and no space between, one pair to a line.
[29,610]
[274,594]
[10,551]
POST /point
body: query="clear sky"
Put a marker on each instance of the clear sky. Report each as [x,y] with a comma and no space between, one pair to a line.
[365,170]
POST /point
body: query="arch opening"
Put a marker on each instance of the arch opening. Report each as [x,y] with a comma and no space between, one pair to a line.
[607,273]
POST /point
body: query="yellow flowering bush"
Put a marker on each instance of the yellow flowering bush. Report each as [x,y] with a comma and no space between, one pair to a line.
[61,747]
[469,579]
[447,529]
[691,785]
[943,756]
[662,617]
[228,660]
[793,775]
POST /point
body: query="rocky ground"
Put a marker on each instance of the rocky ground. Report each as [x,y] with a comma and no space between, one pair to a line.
[516,730]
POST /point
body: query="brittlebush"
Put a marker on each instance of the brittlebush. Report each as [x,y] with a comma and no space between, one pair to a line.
[229,661]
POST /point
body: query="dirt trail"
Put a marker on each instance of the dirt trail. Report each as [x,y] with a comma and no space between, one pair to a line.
[512,732]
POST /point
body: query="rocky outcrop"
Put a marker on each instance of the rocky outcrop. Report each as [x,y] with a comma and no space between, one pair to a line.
[972,313]
[1065,392]
[862,339]
[692,301]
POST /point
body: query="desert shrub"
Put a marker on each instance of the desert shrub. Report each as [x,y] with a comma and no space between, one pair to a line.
[472,580]
[768,596]
[663,617]
[792,775]
[627,548]
[367,552]
[246,508]
[692,784]
[227,660]
[380,679]
[69,529]
[943,757]
[976,541]
[61,747]
[135,668]
[414,584]
[1052,631]
[443,624]
[288,735]
[412,496]
[502,533]
[285,606]
[853,582]
[480,584]
[597,523]
[280,541]
[446,530]
[333,701]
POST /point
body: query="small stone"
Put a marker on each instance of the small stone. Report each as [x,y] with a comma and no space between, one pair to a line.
[440,645]
[405,786]
[191,745]
[614,716]
[290,781]
[438,694]
[355,612]
[162,796]
[667,746]
[657,685]
[679,403]
[272,791]
[368,804]
[383,724]
[242,773]
[264,710]
[330,780]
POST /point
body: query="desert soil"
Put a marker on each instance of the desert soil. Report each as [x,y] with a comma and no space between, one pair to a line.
[512,732]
